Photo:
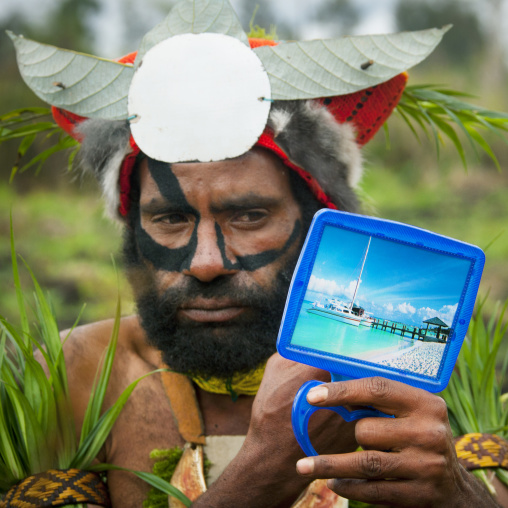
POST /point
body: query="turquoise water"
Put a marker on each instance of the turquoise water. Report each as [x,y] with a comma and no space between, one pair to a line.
[330,336]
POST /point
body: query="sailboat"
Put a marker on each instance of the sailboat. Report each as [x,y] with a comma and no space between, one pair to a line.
[344,312]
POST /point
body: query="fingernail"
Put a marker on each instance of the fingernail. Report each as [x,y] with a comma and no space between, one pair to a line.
[332,483]
[317,394]
[305,466]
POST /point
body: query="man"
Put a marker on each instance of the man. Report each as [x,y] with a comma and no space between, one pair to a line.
[204,314]
[209,248]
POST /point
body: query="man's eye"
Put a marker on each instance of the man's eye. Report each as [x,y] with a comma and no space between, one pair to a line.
[172,218]
[250,217]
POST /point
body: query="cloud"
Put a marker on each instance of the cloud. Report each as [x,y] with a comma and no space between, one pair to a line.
[406,308]
[427,313]
[445,313]
[350,290]
[388,307]
[330,287]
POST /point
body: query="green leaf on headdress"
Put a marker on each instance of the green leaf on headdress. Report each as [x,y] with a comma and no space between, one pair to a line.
[195,16]
[324,68]
[83,84]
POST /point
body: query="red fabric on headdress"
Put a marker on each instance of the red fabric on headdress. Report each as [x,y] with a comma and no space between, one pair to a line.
[266,141]
[367,109]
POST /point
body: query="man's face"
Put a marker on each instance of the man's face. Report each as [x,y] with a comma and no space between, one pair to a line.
[216,244]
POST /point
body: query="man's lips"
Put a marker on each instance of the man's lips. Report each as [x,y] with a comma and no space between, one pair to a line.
[211,311]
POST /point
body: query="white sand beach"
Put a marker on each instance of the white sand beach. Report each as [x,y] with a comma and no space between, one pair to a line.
[423,358]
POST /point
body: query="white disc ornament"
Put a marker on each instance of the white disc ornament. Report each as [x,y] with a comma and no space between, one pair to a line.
[198,97]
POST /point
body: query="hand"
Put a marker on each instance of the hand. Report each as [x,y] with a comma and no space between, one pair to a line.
[407,461]
[263,474]
[271,411]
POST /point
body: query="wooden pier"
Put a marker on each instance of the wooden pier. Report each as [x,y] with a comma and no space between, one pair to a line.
[412,332]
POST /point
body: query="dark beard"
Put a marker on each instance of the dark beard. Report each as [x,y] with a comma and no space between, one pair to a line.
[215,349]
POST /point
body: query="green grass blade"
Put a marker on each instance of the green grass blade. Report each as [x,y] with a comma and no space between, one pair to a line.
[10,457]
[39,159]
[149,478]
[98,394]
[452,135]
[51,339]
[91,446]
[410,104]
[502,475]
[28,130]
[474,392]
[480,140]
[32,436]
[404,116]
[17,284]
[22,112]
[49,328]
[494,240]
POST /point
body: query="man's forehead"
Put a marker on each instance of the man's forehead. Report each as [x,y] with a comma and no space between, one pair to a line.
[254,174]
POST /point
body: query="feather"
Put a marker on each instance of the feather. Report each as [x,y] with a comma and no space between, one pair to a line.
[105,145]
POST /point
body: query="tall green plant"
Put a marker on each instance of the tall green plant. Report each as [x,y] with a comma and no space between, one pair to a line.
[37,430]
[474,395]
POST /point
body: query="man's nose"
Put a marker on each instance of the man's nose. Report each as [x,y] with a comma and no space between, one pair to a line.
[209,260]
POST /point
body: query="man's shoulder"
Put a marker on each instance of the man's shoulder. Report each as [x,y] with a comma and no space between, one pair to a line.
[89,341]
[85,346]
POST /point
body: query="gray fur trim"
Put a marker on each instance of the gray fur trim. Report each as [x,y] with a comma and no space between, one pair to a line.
[105,145]
[313,140]
[279,120]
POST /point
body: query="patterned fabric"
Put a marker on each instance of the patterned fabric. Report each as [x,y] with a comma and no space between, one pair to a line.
[58,488]
[476,451]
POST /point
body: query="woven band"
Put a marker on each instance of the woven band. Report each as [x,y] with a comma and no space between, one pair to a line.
[58,488]
[477,451]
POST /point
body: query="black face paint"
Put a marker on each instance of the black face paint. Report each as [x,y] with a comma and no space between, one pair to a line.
[252,262]
[179,259]
[164,258]
[169,186]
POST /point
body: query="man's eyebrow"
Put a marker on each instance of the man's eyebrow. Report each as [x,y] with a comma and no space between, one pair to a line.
[239,203]
[161,205]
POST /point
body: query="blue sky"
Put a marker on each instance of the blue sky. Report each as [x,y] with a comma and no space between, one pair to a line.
[399,282]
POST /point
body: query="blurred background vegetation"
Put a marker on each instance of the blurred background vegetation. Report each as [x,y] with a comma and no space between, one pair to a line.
[57,215]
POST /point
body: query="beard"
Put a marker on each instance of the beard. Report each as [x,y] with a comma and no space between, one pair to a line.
[215,349]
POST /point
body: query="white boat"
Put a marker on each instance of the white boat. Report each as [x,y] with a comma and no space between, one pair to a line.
[340,311]
[335,309]
[367,320]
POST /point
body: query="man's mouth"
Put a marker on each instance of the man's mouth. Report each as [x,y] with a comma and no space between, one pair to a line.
[211,311]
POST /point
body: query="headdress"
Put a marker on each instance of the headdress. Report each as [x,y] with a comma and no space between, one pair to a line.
[198,90]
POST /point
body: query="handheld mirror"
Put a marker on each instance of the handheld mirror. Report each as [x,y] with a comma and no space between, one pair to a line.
[372,297]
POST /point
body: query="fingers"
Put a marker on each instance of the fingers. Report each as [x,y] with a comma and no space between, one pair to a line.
[388,396]
[392,493]
[369,464]
[396,434]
